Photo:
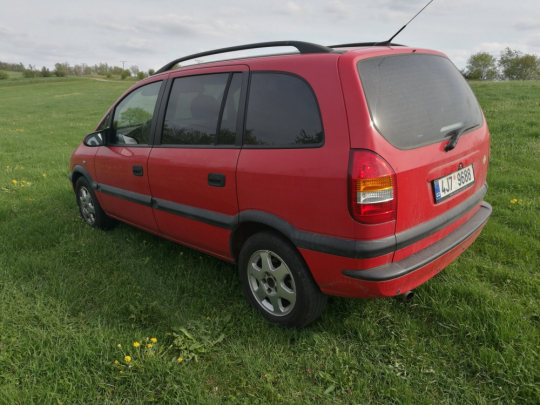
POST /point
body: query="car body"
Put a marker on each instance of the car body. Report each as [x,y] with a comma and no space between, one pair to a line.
[330,174]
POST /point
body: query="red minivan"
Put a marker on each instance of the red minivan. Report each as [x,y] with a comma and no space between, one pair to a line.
[355,170]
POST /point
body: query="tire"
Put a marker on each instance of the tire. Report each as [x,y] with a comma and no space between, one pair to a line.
[277,282]
[89,208]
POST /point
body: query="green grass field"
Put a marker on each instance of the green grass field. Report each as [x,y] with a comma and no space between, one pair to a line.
[70,295]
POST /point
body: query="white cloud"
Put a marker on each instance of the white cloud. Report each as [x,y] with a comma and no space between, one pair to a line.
[339,10]
[527,25]
[135,45]
[293,9]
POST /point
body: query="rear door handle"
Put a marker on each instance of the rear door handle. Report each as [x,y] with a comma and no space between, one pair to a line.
[137,170]
[216,180]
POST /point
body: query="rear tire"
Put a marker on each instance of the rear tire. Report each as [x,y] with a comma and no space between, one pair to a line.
[277,282]
[89,208]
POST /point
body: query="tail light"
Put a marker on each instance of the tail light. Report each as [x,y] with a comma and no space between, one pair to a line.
[372,188]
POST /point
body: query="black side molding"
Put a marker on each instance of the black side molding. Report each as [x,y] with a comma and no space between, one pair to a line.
[142,199]
[427,255]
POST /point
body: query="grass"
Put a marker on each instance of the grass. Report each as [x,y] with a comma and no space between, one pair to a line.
[69,295]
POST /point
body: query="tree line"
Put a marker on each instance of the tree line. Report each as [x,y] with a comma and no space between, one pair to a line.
[511,65]
[64,69]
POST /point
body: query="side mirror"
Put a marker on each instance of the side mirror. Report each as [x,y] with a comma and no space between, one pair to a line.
[94,139]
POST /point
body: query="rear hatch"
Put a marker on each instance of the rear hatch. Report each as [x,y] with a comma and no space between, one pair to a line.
[419,103]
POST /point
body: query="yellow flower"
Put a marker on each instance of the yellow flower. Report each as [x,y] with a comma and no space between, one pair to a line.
[116,362]
[149,345]
[180,359]
[150,353]
[121,372]
[44,175]
[127,358]
[136,344]
[7,167]
[119,345]
[513,201]
[14,181]
[154,340]
[30,200]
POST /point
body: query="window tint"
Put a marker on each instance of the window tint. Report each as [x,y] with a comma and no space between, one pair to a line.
[417,100]
[193,110]
[282,112]
[133,116]
[227,132]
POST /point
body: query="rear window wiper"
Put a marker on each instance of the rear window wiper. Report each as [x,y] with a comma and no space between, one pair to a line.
[456,134]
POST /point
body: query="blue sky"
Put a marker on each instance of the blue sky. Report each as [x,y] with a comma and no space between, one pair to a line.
[151,33]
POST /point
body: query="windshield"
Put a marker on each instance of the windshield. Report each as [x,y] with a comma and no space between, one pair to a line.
[417,99]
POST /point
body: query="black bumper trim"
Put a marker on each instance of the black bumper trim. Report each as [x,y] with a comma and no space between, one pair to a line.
[427,255]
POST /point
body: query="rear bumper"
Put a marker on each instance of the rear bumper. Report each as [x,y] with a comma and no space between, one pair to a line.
[398,277]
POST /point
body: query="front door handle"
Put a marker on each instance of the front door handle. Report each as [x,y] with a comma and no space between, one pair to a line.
[216,180]
[137,170]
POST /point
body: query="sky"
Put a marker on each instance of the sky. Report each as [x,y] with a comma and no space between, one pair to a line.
[149,34]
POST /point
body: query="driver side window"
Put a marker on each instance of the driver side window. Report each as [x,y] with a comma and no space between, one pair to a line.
[133,116]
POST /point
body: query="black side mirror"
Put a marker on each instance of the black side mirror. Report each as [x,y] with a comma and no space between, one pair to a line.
[94,139]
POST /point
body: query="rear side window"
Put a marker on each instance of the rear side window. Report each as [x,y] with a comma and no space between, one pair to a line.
[417,99]
[195,106]
[282,112]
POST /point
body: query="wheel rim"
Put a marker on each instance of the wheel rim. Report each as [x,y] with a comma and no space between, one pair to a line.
[88,210]
[271,283]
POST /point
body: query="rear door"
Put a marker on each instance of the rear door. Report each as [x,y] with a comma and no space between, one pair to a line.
[418,103]
[192,166]
[122,165]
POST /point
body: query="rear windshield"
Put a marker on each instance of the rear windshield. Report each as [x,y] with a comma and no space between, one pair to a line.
[417,99]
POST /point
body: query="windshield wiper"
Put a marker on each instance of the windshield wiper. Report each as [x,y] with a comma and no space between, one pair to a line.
[455,137]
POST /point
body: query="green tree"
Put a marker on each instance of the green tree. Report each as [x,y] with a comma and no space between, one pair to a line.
[45,72]
[151,72]
[3,75]
[516,65]
[60,70]
[125,74]
[141,75]
[481,66]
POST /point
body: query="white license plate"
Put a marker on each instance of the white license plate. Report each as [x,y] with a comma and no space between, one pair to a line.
[447,186]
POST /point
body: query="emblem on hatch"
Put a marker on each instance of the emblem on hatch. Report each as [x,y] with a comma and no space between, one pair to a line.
[460,166]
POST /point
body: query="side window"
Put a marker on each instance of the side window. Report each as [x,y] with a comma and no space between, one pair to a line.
[104,123]
[282,112]
[193,111]
[133,116]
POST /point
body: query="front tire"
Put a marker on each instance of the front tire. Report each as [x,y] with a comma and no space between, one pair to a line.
[277,282]
[89,208]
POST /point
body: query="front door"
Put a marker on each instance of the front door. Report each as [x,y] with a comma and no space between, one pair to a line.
[192,166]
[122,165]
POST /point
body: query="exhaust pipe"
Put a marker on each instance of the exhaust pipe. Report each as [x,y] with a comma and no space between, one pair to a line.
[406,296]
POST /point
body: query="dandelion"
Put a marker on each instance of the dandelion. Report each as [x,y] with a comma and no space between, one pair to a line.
[121,372]
[127,358]
[14,181]
[154,340]
[513,201]
[44,175]
[7,167]
[180,359]
[149,345]
[116,362]
[30,200]
[118,345]
[136,344]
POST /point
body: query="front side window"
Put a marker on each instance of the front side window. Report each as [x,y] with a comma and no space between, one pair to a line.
[133,116]
[193,112]
[282,112]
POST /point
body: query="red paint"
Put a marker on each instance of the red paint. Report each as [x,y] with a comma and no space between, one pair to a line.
[306,187]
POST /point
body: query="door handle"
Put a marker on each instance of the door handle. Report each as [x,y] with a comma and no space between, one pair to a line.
[216,180]
[137,170]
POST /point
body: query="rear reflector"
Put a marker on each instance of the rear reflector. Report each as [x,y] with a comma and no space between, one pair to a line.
[372,184]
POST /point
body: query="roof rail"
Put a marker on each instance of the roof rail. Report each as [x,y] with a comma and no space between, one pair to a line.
[364,44]
[303,48]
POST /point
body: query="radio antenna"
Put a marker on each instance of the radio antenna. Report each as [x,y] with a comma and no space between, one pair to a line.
[386,43]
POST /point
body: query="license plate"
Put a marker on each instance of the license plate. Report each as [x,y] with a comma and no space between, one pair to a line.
[447,186]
